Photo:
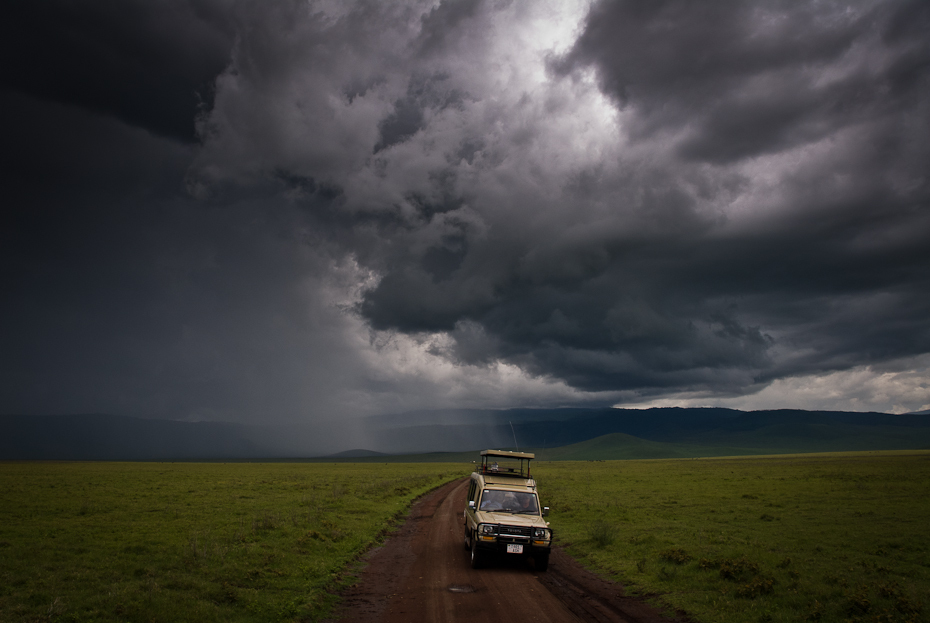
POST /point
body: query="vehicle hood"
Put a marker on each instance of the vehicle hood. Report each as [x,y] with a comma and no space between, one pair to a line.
[510,519]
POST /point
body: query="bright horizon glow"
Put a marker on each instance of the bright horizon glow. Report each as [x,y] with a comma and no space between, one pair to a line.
[860,389]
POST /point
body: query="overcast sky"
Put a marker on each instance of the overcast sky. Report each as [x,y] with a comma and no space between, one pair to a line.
[294,210]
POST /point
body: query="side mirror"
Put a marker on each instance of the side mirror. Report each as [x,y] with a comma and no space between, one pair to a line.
[471,504]
[545,511]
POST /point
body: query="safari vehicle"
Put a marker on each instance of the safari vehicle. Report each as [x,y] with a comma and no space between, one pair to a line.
[502,511]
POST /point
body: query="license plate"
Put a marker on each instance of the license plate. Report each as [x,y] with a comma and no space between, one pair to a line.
[513,548]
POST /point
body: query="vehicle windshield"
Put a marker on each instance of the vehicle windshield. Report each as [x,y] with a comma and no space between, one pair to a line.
[509,502]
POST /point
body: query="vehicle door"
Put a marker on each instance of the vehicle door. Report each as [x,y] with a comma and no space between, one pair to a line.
[471,505]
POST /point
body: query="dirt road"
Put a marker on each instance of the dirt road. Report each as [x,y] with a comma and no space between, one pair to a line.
[422,575]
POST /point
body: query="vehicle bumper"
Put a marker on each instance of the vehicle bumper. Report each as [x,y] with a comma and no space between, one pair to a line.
[499,546]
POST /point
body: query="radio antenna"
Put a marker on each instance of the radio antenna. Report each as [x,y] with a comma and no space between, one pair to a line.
[514,437]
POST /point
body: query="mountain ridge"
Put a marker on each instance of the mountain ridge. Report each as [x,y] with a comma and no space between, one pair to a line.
[670,431]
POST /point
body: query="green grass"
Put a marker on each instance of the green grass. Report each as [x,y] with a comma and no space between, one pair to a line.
[192,542]
[803,438]
[620,446]
[790,538]
[842,537]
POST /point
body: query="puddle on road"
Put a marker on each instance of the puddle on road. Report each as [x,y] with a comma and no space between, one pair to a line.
[462,588]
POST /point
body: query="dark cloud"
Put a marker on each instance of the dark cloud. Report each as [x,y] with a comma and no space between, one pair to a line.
[674,298]
[743,79]
[123,295]
[285,210]
[149,64]
[424,94]
[443,24]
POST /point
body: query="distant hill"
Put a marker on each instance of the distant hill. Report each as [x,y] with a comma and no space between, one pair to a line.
[555,434]
[356,454]
[784,430]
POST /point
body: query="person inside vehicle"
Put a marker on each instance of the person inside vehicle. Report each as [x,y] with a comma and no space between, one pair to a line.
[527,504]
[510,502]
[492,500]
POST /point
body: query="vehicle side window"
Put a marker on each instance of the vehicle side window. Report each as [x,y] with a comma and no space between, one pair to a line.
[471,490]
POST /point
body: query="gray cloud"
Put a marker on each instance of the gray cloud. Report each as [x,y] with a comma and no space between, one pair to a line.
[149,64]
[671,294]
[469,204]
[744,79]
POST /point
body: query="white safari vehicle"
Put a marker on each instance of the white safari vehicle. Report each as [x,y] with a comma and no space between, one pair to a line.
[502,512]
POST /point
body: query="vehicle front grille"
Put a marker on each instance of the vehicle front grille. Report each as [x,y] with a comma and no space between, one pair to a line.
[515,531]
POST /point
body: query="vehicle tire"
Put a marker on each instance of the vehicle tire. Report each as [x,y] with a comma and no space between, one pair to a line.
[541,561]
[477,556]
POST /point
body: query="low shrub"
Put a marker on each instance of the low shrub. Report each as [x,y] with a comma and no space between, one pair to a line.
[603,534]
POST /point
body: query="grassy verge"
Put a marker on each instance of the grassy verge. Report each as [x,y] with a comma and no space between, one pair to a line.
[791,538]
[85,542]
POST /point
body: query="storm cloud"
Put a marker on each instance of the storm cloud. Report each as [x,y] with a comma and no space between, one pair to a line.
[304,209]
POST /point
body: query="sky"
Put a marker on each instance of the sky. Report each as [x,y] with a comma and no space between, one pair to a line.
[295,211]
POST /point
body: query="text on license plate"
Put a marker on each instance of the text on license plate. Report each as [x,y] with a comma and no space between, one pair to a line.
[513,548]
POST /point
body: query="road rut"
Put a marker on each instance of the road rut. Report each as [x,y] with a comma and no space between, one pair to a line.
[422,574]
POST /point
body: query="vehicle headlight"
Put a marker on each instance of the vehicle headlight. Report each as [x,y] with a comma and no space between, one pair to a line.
[487,529]
[540,533]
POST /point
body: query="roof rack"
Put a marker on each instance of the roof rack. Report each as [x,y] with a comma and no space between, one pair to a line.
[509,453]
[506,463]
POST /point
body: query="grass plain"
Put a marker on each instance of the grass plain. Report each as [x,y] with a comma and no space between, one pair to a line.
[833,537]
[88,542]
